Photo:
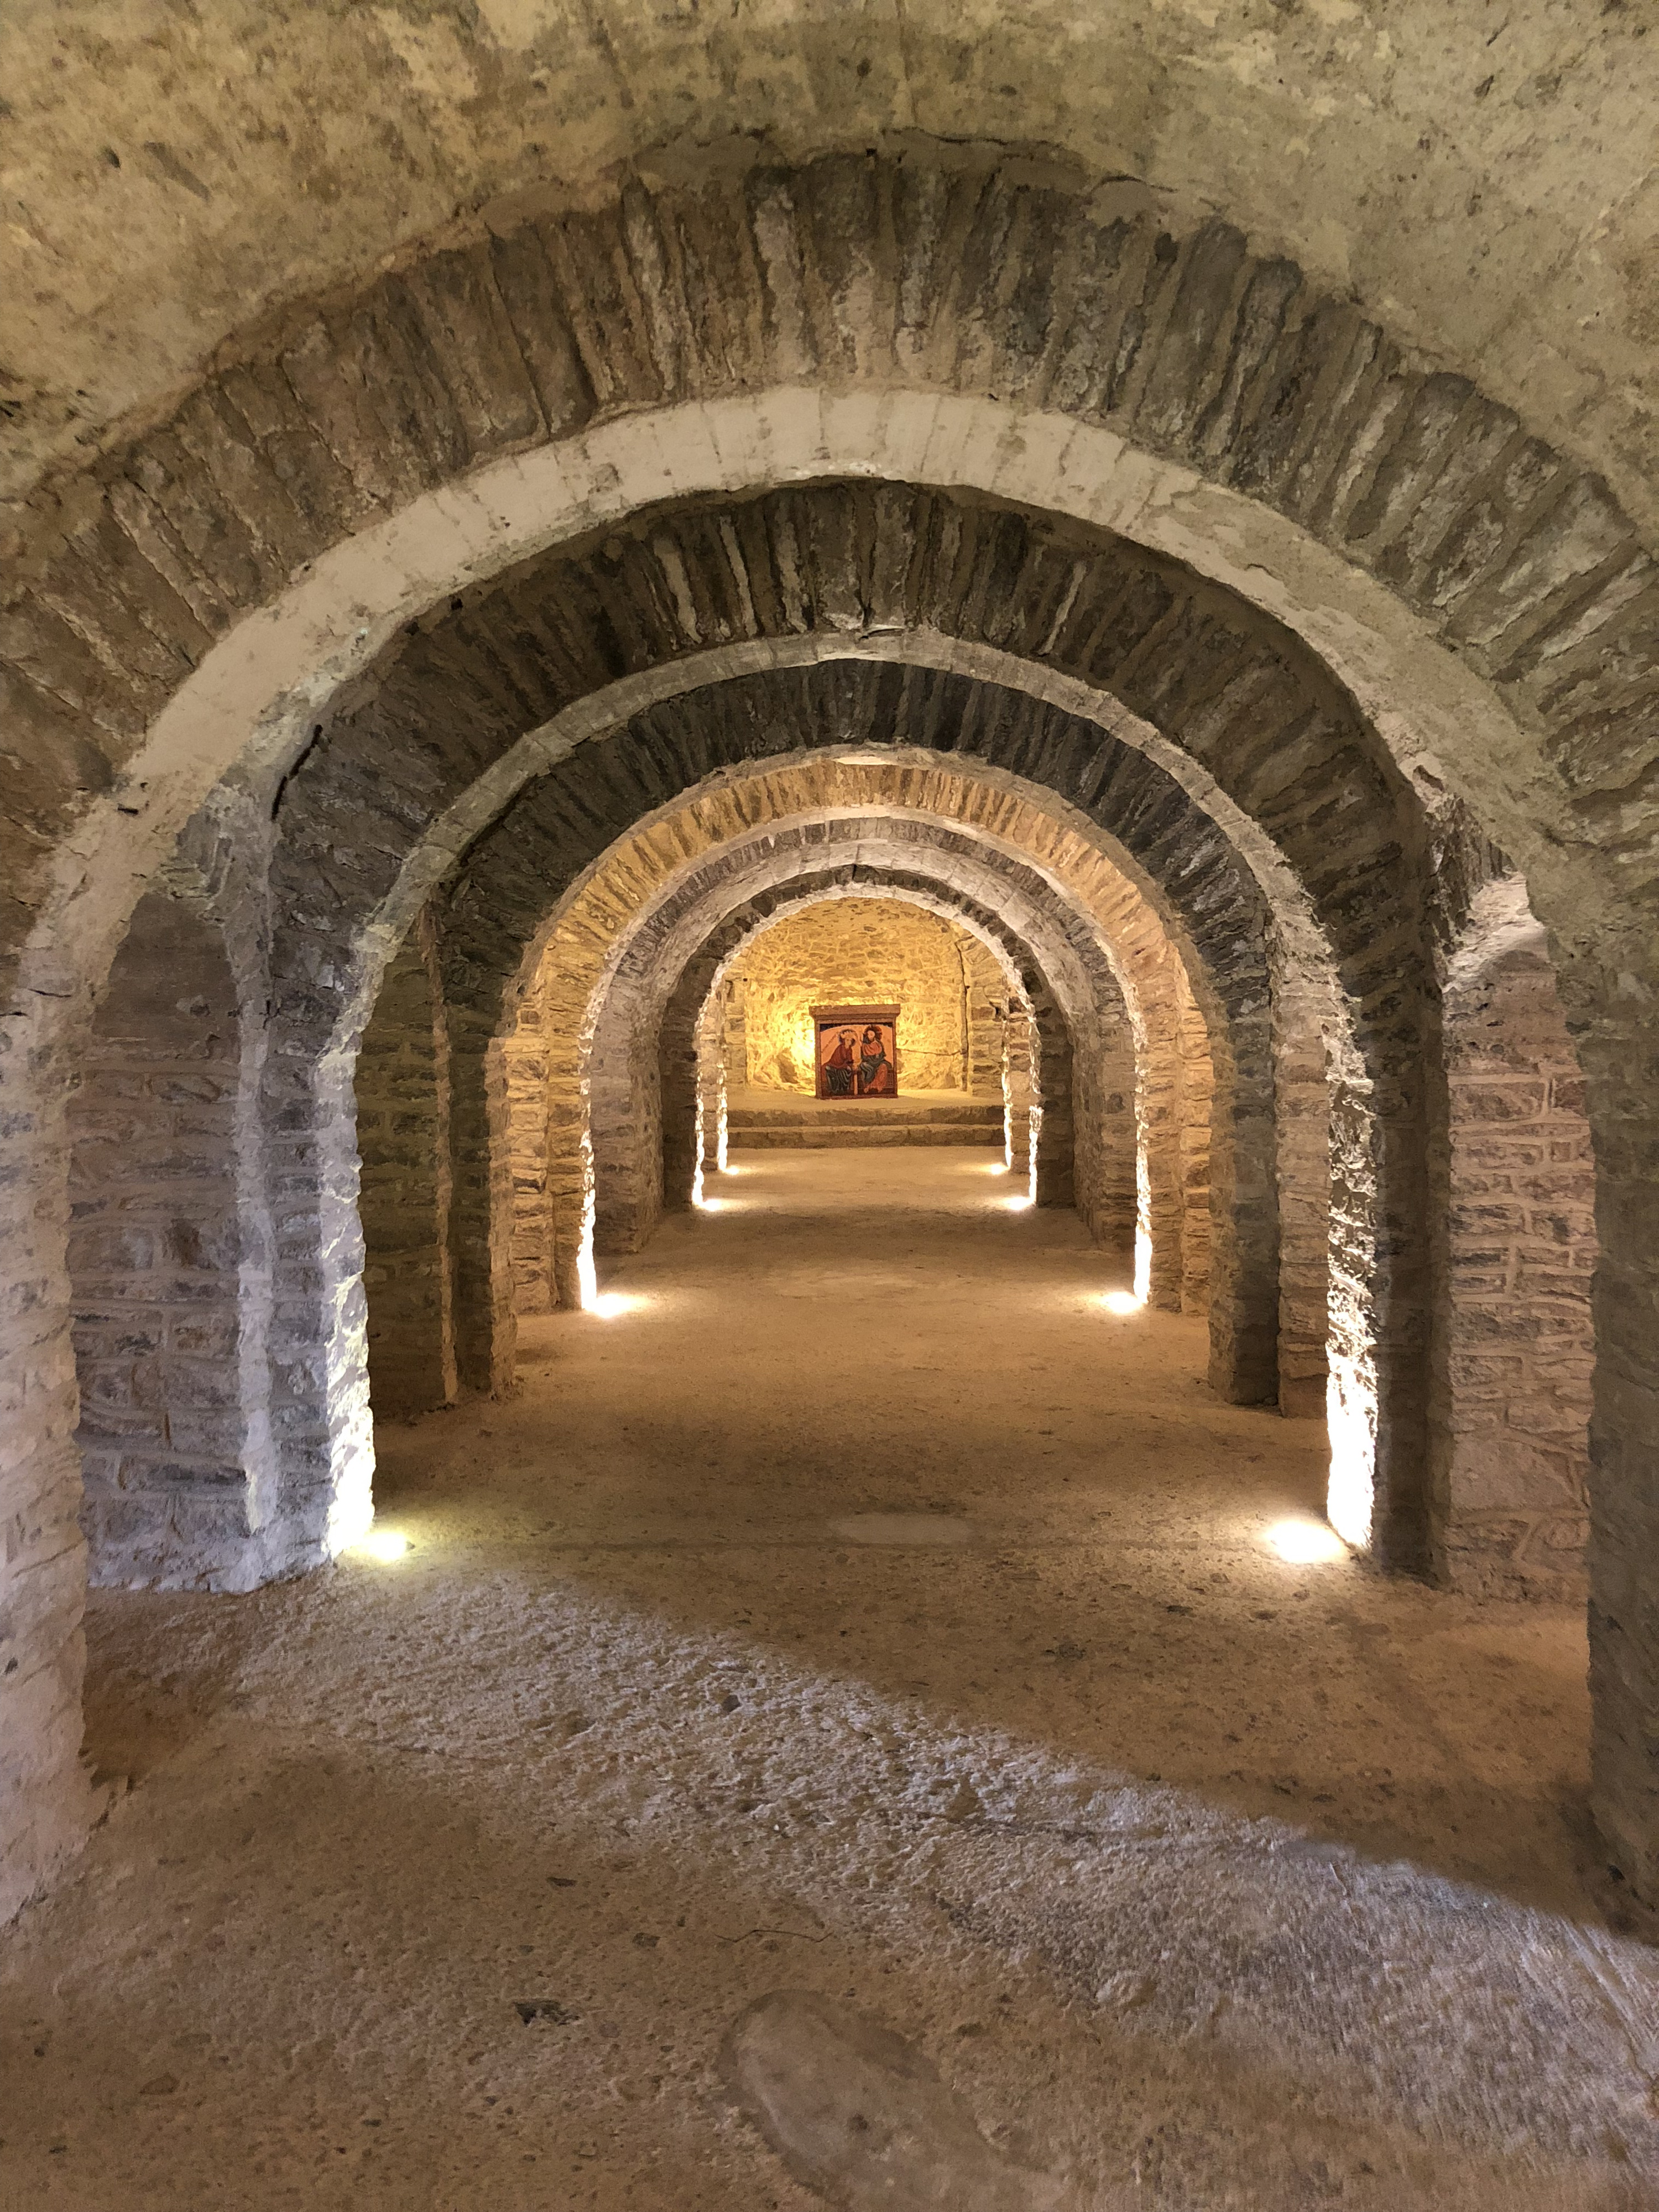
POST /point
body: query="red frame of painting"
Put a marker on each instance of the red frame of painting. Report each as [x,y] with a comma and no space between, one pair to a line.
[827,1074]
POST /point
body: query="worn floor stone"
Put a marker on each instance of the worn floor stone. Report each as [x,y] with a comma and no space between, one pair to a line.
[1193,1877]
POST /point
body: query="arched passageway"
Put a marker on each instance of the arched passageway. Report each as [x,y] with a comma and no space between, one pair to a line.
[898,1576]
[435,682]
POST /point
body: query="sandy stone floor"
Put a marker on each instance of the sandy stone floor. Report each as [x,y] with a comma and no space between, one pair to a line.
[851,1701]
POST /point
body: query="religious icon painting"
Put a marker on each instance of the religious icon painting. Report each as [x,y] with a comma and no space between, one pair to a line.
[857,1051]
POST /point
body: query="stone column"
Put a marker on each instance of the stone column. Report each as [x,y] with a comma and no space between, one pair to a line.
[1508,1419]
[158,1252]
[1619,1046]
[1019,1089]
[1305,1028]
[1157,1112]
[401,1087]
[1195,1092]
[524,1055]
[1053,1123]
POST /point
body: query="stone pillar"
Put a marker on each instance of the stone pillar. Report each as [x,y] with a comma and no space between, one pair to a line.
[1618,1037]
[1195,1091]
[1509,1421]
[713,1057]
[987,994]
[733,1038]
[174,1420]
[319,1411]
[1378,1285]
[1305,1017]
[401,1087]
[680,1054]
[1052,1124]
[1019,1091]
[481,1206]
[625,1094]
[1104,1090]
[1231,1129]
[44,1785]
[525,1057]
[1158,1115]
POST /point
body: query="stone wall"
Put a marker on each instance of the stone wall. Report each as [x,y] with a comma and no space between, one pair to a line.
[859,952]
[1082,1150]
[1306,1035]
[525,1051]
[155,1252]
[404,1183]
[1197,1092]
[1512,1423]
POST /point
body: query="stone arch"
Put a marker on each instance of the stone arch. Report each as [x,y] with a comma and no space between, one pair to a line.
[634,980]
[939,868]
[344,1461]
[989,1053]
[1056,1047]
[1323,738]
[785,841]
[1128,1183]
[644,995]
[873,273]
[1109,904]
[1521,564]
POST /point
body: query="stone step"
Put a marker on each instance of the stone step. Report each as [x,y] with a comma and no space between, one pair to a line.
[775,1121]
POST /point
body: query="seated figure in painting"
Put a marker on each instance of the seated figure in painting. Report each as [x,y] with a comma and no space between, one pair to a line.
[877,1077]
[840,1067]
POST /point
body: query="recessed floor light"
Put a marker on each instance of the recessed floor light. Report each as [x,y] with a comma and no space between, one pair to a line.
[1306,1543]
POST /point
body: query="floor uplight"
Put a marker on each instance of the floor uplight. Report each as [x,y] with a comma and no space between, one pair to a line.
[386,1547]
[1122,1302]
[608,1304]
[1306,1543]
[1019,1202]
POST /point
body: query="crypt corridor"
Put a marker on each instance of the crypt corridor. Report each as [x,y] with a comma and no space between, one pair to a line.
[830,1106]
[855,1602]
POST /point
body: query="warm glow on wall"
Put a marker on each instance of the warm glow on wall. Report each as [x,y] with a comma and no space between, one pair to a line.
[854,951]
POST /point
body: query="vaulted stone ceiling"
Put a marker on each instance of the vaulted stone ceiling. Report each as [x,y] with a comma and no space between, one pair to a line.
[1474,176]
